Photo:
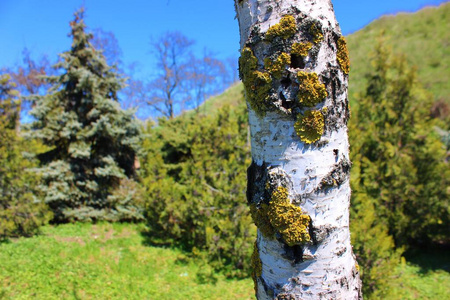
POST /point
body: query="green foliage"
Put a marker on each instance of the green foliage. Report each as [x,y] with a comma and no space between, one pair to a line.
[9,103]
[399,159]
[399,173]
[93,142]
[106,261]
[374,247]
[20,211]
[194,176]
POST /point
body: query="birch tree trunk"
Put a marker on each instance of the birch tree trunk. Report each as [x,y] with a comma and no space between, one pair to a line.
[294,66]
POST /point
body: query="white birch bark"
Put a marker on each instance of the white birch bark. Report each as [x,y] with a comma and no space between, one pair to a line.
[314,174]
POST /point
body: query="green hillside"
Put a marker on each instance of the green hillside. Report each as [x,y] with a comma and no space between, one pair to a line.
[424,37]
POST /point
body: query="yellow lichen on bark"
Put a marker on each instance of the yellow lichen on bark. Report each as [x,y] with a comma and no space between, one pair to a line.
[301,49]
[283,217]
[256,266]
[248,63]
[316,33]
[342,55]
[285,29]
[288,219]
[310,126]
[259,216]
[276,67]
[257,84]
[311,90]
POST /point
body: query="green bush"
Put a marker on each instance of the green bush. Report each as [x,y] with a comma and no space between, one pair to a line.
[398,156]
[21,213]
[399,173]
[374,248]
[194,176]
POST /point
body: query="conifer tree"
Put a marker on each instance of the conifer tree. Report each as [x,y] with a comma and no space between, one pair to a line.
[194,175]
[93,142]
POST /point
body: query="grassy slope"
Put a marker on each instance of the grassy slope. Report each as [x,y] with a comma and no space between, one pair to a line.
[232,96]
[424,37]
[106,261]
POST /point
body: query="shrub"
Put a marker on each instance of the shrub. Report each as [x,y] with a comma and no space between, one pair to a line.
[21,212]
[398,174]
[399,157]
[194,176]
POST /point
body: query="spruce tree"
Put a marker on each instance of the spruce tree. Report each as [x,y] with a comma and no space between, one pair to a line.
[93,142]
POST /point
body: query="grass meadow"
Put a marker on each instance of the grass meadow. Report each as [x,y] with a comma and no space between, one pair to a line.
[106,261]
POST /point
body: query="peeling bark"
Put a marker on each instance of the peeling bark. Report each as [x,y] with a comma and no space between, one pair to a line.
[294,66]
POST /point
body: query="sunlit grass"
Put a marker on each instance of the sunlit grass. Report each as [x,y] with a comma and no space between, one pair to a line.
[416,282]
[232,97]
[107,261]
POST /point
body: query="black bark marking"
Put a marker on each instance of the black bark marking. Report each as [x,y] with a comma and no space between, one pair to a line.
[297,62]
[286,103]
[256,179]
[338,175]
[320,233]
[270,291]
[286,82]
[293,254]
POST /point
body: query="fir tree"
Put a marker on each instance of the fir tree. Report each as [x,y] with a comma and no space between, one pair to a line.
[93,141]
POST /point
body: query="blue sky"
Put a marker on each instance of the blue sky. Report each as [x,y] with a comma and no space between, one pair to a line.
[42,25]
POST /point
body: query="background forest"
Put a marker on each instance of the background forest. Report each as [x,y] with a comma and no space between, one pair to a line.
[92,194]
